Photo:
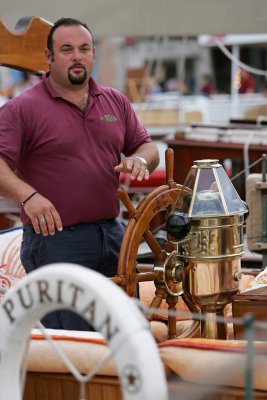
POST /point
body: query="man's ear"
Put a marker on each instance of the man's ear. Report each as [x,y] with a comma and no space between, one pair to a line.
[48,56]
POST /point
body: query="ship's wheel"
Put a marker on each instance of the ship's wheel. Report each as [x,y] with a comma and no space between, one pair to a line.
[165,274]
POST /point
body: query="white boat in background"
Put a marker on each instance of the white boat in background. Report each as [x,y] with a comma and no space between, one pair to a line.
[163,113]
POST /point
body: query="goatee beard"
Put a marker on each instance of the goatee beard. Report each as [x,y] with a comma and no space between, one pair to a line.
[77,80]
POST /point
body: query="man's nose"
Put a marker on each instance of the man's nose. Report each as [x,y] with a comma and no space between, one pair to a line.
[76,54]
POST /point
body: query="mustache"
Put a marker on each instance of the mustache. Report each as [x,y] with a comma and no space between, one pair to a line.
[77,65]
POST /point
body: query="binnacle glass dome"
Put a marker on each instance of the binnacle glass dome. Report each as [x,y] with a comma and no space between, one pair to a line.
[213,194]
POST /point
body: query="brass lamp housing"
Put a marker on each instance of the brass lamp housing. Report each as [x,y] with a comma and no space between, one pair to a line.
[210,255]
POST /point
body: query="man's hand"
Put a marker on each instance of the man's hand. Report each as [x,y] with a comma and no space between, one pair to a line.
[43,215]
[133,166]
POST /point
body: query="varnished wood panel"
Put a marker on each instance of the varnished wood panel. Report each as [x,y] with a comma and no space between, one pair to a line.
[95,391]
[70,390]
[254,302]
[50,386]
[29,392]
[258,309]
[65,387]
[41,391]
[109,392]
[23,48]
[54,390]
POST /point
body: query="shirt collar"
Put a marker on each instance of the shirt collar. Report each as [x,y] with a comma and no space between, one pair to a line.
[95,89]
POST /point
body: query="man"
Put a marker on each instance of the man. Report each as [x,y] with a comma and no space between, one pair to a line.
[64,138]
[247,83]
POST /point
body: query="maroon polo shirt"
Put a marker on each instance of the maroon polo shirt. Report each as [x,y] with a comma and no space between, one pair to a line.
[68,155]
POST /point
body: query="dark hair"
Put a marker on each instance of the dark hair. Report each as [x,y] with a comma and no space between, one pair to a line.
[66,22]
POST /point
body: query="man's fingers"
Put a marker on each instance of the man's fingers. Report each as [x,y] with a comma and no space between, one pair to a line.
[139,172]
[43,225]
[57,220]
[119,168]
[125,166]
[36,226]
[134,167]
[146,175]
[47,223]
[50,224]
[143,174]
[44,216]
[135,170]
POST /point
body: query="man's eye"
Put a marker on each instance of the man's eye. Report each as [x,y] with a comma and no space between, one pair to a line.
[66,50]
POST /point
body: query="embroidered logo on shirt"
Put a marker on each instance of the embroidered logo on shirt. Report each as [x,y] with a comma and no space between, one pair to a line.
[109,118]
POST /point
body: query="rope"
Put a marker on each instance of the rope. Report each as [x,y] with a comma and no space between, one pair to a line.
[244,170]
[242,65]
[81,378]
[197,316]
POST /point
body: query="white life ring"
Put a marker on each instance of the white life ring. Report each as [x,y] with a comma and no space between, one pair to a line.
[104,305]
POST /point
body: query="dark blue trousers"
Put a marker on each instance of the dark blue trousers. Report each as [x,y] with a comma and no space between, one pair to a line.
[93,245]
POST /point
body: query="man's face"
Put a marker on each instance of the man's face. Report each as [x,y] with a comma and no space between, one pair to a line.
[72,61]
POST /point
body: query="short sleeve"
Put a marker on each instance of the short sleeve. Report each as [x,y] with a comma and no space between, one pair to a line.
[11,133]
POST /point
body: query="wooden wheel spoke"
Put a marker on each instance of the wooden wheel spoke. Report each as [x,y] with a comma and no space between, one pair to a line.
[160,255]
[169,166]
[147,276]
[156,303]
[123,195]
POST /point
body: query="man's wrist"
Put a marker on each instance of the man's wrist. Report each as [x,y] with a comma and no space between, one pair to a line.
[142,159]
[28,198]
